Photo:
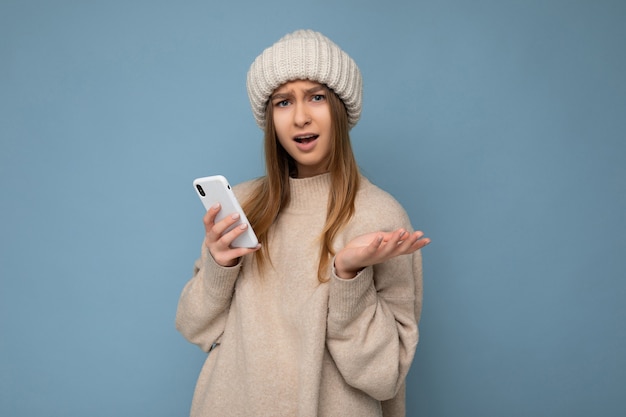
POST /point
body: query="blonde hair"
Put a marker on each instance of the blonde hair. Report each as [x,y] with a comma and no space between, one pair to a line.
[272,192]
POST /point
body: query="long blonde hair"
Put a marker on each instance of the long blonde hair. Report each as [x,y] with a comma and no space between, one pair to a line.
[272,192]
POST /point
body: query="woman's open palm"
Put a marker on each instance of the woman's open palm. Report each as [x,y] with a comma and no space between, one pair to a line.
[377,247]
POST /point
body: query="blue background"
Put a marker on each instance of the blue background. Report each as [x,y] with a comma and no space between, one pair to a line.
[499,125]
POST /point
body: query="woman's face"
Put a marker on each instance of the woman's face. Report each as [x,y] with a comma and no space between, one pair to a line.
[302,122]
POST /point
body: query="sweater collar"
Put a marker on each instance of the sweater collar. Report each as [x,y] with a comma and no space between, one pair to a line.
[309,193]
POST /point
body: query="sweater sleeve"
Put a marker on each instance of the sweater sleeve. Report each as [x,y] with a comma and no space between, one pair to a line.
[205,301]
[372,329]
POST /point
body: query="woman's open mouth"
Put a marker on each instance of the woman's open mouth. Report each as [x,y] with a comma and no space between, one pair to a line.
[306,143]
[306,139]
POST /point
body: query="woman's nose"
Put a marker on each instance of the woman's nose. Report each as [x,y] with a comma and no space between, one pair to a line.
[301,116]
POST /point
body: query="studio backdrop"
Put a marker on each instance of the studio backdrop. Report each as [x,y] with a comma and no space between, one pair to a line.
[499,126]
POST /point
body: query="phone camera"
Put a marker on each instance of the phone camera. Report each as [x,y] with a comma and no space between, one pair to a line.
[200,190]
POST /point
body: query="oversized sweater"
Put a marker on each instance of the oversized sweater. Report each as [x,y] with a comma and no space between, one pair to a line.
[284,344]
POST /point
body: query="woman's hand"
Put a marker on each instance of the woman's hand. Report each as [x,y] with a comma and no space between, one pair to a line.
[219,242]
[375,248]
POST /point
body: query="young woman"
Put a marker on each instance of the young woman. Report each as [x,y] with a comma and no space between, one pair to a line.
[321,318]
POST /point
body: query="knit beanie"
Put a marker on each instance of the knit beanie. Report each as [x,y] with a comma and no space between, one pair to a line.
[304,55]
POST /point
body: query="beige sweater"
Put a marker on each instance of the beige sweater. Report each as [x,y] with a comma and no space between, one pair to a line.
[290,346]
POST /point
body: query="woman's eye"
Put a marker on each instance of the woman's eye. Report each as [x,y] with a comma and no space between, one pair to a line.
[318,97]
[282,103]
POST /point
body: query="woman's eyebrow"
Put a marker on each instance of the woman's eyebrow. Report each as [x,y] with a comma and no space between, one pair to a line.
[289,94]
[281,96]
[315,89]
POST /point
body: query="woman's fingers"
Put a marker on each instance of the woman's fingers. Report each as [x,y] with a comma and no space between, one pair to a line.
[215,231]
[400,242]
[375,248]
[415,242]
[209,217]
[228,238]
[218,239]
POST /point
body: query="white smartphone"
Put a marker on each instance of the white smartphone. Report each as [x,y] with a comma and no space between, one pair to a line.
[215,189]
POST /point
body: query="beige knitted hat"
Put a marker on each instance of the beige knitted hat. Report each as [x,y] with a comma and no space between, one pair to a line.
[304,55]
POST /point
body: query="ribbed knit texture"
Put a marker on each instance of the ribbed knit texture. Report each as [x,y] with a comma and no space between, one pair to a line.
[290,346]
[304,55]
